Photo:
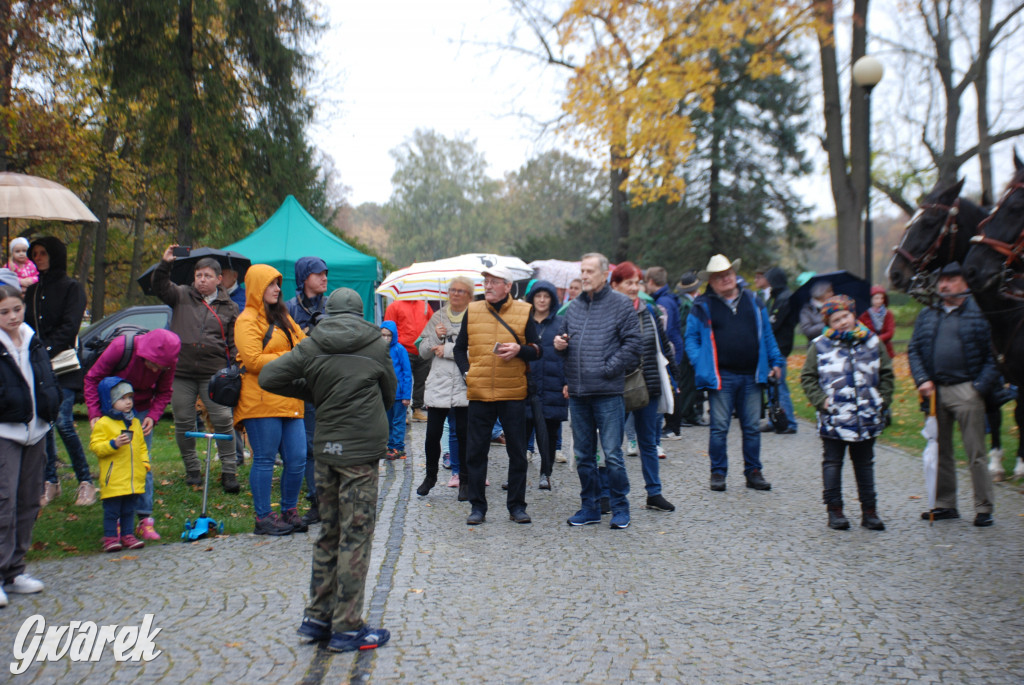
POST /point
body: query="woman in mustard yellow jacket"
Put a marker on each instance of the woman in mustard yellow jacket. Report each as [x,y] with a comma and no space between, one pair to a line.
[263,332]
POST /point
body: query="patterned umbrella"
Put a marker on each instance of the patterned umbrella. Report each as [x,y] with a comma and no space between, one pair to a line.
[558,272]
[429,280]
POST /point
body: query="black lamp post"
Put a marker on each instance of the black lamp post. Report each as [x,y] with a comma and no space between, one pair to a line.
[867,72]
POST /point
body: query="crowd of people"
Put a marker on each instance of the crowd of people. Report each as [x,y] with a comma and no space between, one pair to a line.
[621,354]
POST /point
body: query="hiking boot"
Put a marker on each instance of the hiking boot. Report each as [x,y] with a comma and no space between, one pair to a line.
[519,516]
[111,544]
[51,491]
[271,524]
[983,520]
[476,517]
[313,514]
[836,520]
[229,482]
[584,517]
[129,541]
[146,529]
[86,494]
[292,518]
[364,638]
[545,483]
[660,503]
[717,481]
[313,630]
[193,478]
[756,481]
[463,491]
[869,519]
[419,415]
[424,489]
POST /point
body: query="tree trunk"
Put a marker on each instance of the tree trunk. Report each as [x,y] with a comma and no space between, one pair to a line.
[847,190]
[186,98]
[714,196]
[620,208]
[139,232]
[981,90]
[86,238]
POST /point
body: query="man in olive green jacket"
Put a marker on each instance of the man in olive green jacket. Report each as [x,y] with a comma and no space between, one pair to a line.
[344,369]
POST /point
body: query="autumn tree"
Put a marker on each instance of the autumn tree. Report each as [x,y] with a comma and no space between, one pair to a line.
[645,65]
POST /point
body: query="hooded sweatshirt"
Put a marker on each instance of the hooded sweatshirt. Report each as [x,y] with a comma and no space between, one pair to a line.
[250,330]
[122,469]
[305,310]
[152,388]
[344,369]
[28,386]
[400,362]
[54,307]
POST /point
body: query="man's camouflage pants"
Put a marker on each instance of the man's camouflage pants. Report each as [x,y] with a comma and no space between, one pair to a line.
[341,557]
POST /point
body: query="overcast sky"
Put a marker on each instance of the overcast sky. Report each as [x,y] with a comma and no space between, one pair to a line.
[391,66]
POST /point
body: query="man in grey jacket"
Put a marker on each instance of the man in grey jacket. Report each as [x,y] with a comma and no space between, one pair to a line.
[600,338]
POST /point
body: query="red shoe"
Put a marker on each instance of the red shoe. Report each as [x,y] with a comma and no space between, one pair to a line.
[111,544]
[129,541]
[146,530]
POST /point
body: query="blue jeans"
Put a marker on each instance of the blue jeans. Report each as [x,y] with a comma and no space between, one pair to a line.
[647,422]
[309,423]
[72,443]
[739,393]
[119,510]
[268,436]
[497,430]
[144,502]
[396,421]
[786,401]
[590,414]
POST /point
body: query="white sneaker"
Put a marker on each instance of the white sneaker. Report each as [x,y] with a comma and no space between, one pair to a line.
[1018,470]
[24,585]
[530,455]
[560,458]
[661,452]
[632,451]
[3,598]
[995,464]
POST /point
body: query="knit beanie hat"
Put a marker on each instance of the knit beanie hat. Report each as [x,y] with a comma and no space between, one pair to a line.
[120,390]
[837,303]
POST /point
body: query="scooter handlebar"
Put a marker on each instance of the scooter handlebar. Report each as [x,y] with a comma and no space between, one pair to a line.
[215,436]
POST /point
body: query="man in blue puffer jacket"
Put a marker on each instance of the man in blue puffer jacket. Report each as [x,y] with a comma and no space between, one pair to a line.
[600,339]
[720,333]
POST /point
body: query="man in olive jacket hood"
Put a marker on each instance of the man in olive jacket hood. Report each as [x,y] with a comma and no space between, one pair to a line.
[344,369]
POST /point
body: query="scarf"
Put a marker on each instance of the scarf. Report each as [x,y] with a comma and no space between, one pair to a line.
[877,317]
[452,316]
[860,332]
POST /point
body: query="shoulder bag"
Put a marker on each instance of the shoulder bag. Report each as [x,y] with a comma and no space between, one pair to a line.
[634,394]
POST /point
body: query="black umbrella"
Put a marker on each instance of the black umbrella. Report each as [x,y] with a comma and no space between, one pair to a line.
[843,283]
[184,268]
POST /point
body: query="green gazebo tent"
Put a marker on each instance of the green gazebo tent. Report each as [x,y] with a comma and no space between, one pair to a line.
[291,233]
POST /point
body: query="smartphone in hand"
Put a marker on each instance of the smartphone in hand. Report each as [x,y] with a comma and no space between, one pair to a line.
[181,251]
[497,348]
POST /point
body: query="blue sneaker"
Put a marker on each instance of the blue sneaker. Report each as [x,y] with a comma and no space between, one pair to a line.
[583,517]
[620,519]
[314,630]
[364,638]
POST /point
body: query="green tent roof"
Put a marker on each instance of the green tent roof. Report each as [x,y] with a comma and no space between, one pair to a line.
[291,233]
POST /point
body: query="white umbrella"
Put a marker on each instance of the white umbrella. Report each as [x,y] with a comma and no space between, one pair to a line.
[930,457]
[558,272]
[429,280]
[30,197]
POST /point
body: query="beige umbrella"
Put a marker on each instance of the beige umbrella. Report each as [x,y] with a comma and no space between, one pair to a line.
[30,197]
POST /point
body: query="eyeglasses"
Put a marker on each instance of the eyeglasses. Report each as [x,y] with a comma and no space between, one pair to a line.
[494,281]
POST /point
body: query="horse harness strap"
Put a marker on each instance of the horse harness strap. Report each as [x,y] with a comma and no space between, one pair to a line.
[1011,252]
[949,228]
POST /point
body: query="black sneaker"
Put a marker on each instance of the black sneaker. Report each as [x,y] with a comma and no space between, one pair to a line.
[364,638]
[313,630]
[230,483]
[660,503]
[983,520]
[193,478]
[717,481]
[271,524]
[313,515]
[424,489]
[756,481]
[292,518]
[476,517]
[940,514]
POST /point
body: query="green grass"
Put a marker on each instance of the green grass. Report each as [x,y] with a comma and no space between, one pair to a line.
[63,529]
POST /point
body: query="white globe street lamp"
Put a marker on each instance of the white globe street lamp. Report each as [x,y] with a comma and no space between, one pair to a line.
[867,72]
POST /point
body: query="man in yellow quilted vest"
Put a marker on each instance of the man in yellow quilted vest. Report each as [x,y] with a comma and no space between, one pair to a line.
[497,341]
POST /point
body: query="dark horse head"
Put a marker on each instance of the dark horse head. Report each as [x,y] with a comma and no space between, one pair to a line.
[996,257]
[940,232]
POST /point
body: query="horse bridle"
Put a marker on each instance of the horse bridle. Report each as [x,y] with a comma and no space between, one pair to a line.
[1011,252]
[949,228]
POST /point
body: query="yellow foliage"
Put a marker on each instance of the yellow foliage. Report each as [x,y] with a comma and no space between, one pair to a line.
[650,60]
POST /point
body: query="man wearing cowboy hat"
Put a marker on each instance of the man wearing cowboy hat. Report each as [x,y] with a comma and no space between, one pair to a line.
[730,343]
[497,341]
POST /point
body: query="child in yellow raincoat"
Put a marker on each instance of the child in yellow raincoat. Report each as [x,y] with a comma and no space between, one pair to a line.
[124,461]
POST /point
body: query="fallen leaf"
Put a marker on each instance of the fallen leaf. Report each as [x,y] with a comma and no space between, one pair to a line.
[39,546]
[235,514]
[416,591]
[168,516]
[129,557]
[165,482]
[915,497]
[233,644]
[72,517]
[218,506]
[208,549]
[622,592]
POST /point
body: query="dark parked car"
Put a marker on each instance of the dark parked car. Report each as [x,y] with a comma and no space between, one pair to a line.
[93,340]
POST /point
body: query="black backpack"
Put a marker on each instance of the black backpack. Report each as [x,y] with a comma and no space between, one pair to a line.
[92,350]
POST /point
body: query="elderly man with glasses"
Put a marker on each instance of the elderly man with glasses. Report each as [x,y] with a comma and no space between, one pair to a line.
[497,340]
